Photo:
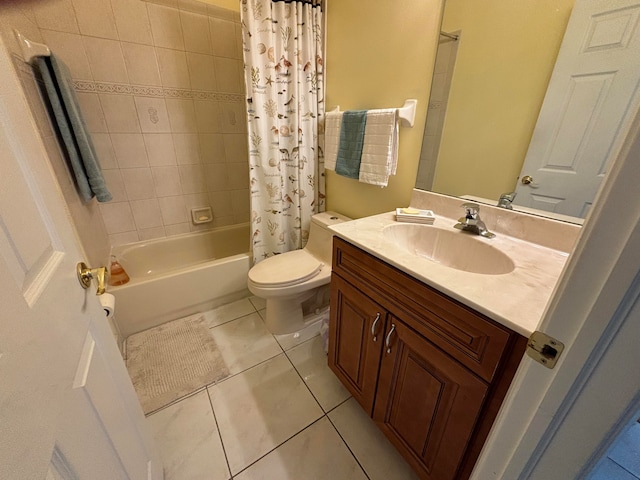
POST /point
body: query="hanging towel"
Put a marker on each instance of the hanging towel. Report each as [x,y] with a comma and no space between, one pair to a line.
[351,142]
[332,125]
[380,150]
[76,139]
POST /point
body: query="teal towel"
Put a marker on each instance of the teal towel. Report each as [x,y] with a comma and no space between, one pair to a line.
[76,139]
[351,142]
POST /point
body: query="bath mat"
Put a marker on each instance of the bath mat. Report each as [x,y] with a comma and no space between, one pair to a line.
[172,360]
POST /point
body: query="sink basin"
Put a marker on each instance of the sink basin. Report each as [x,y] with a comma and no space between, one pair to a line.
[452,248]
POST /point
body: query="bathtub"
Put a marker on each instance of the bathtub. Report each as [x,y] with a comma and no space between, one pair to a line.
[181,275]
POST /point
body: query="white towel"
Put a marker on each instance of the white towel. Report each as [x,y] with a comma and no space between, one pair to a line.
[332,125]
[380,150]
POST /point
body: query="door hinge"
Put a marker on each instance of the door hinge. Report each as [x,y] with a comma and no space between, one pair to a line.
[544,349]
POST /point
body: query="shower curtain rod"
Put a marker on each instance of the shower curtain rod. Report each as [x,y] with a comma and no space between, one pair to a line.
[449,35]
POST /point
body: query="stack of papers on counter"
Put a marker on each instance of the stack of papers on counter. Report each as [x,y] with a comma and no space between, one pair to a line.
[414,215]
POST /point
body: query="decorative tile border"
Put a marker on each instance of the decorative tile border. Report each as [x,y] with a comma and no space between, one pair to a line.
[150,91]
[141,90]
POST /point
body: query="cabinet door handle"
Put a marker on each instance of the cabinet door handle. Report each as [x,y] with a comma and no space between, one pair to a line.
[388,340]
[373,327]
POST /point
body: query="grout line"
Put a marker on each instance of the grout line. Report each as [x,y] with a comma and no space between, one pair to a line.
[623,467]
[232,320]
[235,318]
[295,345]
[253,304]
[304,383]
[177,400]
[281,444]
[340,404]
[215,418]
[300,344]
[348,447]
[243,371]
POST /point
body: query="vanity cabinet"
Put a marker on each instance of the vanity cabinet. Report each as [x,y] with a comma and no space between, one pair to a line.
[431,372]
[357,340]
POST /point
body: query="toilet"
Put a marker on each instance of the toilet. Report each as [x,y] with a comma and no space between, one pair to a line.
[296,284]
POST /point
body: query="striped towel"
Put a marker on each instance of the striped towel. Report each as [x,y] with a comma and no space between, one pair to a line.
[380,150]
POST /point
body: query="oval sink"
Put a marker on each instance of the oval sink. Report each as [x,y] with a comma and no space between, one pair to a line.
[451,248]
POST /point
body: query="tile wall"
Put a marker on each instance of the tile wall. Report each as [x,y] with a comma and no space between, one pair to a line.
[87,220]
[161,88]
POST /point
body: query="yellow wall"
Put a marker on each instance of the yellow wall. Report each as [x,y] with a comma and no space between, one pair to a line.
[379,54]
[230,4]
[505,58]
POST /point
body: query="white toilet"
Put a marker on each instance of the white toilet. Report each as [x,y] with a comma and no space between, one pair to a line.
[296,284]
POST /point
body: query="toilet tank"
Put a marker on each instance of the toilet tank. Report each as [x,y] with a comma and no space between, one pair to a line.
[320,237]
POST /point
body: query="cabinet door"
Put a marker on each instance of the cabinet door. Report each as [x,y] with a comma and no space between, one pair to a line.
[427,404]
[355,340]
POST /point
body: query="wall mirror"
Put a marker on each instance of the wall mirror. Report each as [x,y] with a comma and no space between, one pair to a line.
[494,64]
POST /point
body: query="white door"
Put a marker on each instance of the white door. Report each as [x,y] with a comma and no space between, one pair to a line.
[67,407]
[554,423]
[585,113]
[605,394]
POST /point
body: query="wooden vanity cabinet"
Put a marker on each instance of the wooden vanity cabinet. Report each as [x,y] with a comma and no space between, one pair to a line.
[431,372]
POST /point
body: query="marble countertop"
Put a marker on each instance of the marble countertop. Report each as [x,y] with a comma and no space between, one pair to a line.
[516,299]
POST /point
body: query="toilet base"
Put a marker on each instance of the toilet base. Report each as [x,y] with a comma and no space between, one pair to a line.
[289,314]
[311,328]
[285,315]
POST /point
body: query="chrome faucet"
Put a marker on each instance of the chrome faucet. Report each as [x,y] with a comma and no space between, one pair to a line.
[506,199]
[471,221]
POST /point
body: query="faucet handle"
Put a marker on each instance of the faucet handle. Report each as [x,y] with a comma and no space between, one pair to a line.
[471,209]
[506,200]
[508,196]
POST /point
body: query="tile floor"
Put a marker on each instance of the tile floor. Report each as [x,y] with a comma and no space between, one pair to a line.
[622,461]
[282,414]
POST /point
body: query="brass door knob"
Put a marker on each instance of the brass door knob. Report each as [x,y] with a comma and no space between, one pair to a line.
[86,274]
[527,179]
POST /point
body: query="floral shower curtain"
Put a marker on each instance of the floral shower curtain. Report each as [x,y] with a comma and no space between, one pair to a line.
[283,55]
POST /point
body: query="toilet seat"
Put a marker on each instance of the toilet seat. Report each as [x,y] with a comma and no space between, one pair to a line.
[285,270]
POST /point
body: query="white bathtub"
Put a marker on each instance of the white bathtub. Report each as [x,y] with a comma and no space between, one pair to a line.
[181,275]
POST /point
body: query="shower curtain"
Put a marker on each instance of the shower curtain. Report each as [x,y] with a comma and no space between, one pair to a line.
[283,56]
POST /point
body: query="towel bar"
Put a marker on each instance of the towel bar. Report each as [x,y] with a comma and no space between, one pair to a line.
[31,49]
[406,113]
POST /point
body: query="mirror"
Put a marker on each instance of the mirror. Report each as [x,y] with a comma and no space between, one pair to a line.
[491,83]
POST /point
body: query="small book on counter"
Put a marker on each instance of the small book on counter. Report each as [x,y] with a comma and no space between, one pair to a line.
[415,215]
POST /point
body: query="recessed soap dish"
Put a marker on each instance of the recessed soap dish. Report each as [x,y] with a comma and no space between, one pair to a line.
[201,215]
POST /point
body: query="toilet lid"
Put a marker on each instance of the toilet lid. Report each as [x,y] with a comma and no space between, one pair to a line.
[286,269]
